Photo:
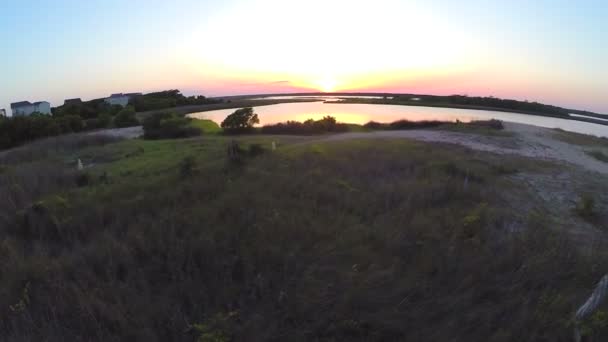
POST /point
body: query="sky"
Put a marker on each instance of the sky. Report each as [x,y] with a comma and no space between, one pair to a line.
[551,51]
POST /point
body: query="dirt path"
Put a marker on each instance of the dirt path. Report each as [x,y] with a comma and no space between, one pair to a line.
[558,190]
[528,141]
[125,133]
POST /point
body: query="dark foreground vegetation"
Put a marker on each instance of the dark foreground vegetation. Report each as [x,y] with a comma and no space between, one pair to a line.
[77,116]
[168,99]
[17,130]
[488,102]
[152,101]
[329,125]
[243,121]
[472,102]
[309,127]
[407,124]
[210,239]
[169,126]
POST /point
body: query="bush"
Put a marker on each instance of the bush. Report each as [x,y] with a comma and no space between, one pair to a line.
[309,127]
[241,121]
[167,99]
[186,167]
[492,124]
[167,125]
[83,179]
[256,150]
[70,123]
[375,125]
[599,155]
[17,130]
[234,153]
[586,207]
[103,121]
[126,118]
[406,124]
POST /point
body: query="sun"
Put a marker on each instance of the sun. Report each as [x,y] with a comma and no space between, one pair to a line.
[327,84]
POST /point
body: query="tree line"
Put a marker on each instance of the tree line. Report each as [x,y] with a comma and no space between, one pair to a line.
[77,116]
[490,102]
[168,99]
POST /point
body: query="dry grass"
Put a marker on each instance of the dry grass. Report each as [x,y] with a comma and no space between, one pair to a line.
[599,155]
[580,139]
[50,147]
[358,241]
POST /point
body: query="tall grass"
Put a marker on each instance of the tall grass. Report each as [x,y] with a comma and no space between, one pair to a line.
[54,146]
[353,241]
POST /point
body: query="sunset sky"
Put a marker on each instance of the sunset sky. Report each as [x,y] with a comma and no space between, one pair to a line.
[552,51]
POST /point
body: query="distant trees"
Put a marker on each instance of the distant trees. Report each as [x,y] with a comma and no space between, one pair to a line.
[490,102]
[76,116]
[93,109]
[328,124]
[167,99]
[87,110]
[70,123]
[17,130]
[241,121]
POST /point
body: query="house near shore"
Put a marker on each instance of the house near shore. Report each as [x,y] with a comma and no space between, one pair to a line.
[120,99]
[25,108]
[3,112]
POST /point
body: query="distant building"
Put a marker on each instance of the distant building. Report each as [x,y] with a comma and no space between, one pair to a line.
[72,101]
[2,112]
[120,99]
[24,108]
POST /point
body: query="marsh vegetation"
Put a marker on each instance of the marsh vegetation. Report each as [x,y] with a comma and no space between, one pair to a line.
[222,238]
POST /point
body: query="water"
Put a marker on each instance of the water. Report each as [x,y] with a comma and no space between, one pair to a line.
[318,97]
[588,117]
[362,113]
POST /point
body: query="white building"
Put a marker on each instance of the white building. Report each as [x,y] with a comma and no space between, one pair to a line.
[120,99]
[24,108]
[2,112]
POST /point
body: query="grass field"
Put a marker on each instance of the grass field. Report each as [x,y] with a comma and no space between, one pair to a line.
[472,129]
[580,139]
[206,126]
[599,155]
[356,240]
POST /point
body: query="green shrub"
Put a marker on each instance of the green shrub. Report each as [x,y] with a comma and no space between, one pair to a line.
[309,127]
[406,124]
[375,125]
[167,125]
[492,124]
[70,123]
[586,207]
[241,121]
[599,155]
[83,179]
[256,150]
[234,153]
[103,121]
[186,167]
[126,118]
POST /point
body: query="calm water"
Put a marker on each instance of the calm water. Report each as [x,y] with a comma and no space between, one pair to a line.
[588,117]
[320,97]
[362,113]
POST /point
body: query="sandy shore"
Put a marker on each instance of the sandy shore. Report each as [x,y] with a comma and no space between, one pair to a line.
[125,133]
[527,141]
